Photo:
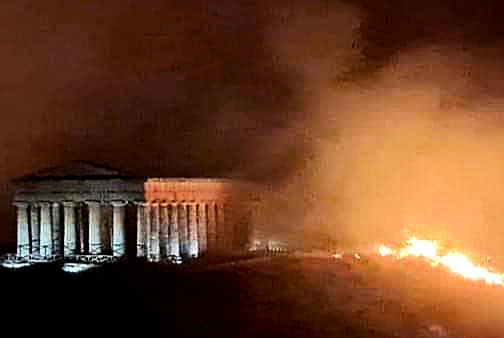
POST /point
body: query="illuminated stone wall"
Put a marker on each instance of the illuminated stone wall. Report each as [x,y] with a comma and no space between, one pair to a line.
[192,218]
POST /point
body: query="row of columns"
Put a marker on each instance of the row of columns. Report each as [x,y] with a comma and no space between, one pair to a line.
[39,229]
[181,230]
[164,230]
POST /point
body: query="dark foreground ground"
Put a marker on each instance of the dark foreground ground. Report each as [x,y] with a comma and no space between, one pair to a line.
[270,297]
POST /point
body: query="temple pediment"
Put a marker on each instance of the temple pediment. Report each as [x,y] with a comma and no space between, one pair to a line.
[79,181]
[81,170]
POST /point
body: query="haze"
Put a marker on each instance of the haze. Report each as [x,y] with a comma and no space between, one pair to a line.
[354,131]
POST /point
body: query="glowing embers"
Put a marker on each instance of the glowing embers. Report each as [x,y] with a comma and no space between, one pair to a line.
[78,267]
[337,255]
[348,257]
[455,261]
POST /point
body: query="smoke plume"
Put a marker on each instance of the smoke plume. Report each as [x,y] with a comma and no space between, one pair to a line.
[356,120]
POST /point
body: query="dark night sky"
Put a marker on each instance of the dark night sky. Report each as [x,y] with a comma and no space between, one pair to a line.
[169,88]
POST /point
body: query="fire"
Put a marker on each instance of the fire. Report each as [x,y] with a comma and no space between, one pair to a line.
[455,261]
[385,251]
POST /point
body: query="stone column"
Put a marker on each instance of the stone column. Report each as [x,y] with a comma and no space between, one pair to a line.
[154,254]
[164,231]
[141,234]
[182,227]
[173,232]
[94,238]
[82,232]
[45,230]
[70,229]
[118,228]
[106,226]
[229,226]
[212,228]
[221,228]
[56,229]
[139,226]
[202,228]
[147,228]
[35,229]
[192,230]
[23,230]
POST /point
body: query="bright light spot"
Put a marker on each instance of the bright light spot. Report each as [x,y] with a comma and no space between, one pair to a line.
[337,255]
[419,248]
[459,263]
[357,256]
[77,267]
[385,251]
[456,262]
[15,265]
[193,249]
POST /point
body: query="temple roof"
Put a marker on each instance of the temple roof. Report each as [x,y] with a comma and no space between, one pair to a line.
[80,170]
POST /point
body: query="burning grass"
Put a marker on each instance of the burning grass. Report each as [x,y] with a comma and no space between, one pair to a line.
[456,261]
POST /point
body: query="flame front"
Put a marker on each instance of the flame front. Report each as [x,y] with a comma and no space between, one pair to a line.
[455,261]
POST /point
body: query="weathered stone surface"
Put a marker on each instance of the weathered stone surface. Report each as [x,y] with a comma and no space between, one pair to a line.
[80,209]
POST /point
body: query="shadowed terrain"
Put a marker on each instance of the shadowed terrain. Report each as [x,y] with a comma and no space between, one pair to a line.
[271,297]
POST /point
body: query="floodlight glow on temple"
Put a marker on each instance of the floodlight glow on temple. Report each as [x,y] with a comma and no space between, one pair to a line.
[84,215]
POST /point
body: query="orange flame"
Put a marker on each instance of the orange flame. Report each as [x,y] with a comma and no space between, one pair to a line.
[455,261]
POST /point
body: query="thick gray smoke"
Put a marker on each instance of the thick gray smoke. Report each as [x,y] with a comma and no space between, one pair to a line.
[410,139]
[418,147]
[415,146]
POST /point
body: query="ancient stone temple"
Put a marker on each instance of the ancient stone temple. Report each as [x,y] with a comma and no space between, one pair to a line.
[76,210]
[86,212]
